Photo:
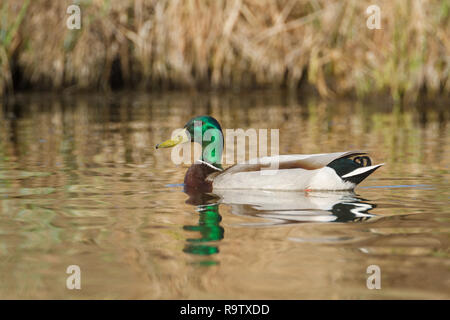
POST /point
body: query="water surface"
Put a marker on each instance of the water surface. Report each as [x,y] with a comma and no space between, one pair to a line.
[81,184]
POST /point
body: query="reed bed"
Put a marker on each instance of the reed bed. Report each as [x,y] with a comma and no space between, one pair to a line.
[237,44]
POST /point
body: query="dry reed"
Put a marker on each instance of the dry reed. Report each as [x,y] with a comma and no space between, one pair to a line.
[227,44]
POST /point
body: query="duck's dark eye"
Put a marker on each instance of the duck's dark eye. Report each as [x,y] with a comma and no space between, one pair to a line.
[363,161]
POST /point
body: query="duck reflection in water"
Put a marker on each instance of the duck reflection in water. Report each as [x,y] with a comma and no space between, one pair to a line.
[274,207]
[279,207]
[208,224]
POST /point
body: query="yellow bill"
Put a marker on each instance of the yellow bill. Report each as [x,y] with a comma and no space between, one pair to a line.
[180,137]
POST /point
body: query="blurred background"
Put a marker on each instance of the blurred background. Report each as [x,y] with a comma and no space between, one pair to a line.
[324,46]
[81,183]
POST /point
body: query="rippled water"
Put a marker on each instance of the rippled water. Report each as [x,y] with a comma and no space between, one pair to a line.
[81,184]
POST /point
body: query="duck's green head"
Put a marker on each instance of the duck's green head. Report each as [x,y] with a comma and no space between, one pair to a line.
[205,130]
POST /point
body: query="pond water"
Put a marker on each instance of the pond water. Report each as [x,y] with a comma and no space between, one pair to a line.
[82,184]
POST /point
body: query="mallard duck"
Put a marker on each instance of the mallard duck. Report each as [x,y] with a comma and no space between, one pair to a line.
[325,171]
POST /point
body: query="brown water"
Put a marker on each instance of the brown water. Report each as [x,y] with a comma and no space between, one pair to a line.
[81,184]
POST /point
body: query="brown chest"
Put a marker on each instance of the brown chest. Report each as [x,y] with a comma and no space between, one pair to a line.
[195,178]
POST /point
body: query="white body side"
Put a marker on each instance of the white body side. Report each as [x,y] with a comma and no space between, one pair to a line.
[283,179]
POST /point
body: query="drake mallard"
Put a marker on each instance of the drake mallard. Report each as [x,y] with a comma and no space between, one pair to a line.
[324,171]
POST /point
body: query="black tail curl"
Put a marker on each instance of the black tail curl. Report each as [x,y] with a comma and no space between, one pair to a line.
[344,166]
[363,161]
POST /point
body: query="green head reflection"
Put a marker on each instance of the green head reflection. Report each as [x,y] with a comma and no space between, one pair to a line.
[209,229]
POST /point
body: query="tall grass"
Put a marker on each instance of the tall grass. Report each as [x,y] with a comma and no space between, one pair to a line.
[228,44]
